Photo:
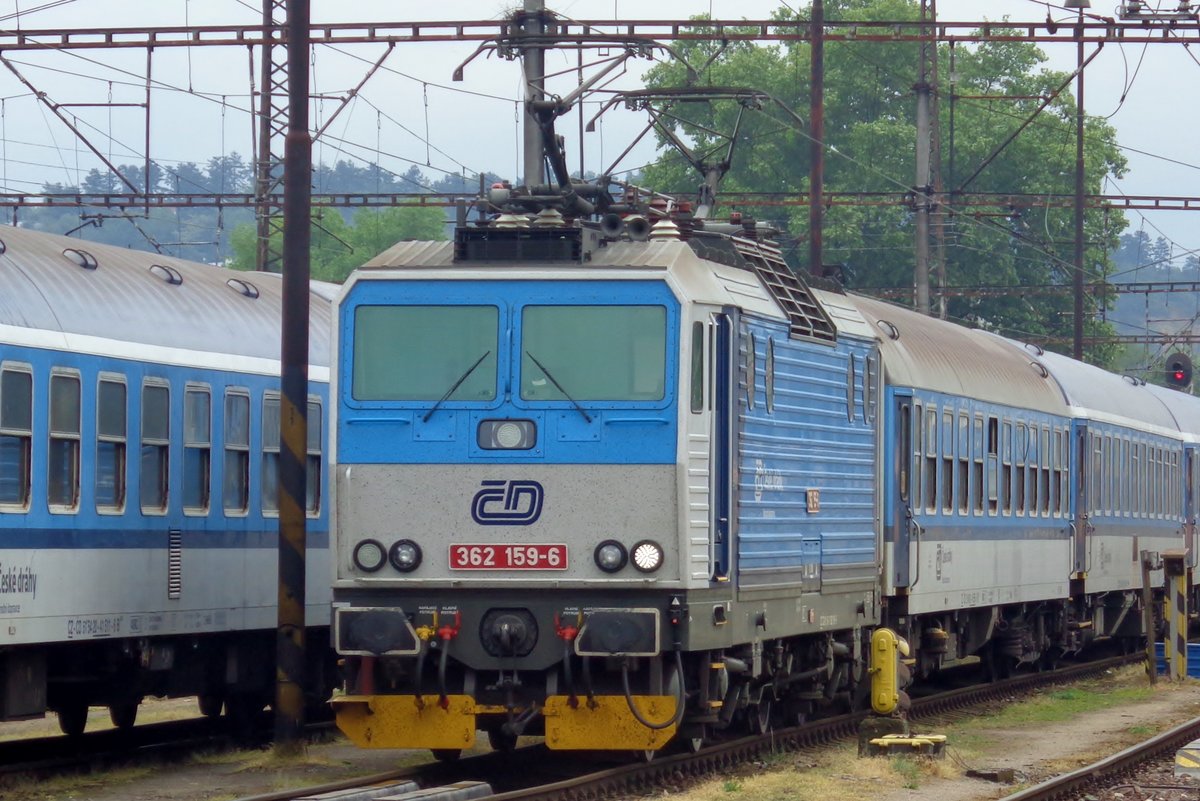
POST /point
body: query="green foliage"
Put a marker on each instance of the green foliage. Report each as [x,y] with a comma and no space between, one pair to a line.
[338,247]
[870,135]
[214,235]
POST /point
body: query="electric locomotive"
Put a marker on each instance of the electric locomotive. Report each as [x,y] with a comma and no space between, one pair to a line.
[621,483]
[563,502]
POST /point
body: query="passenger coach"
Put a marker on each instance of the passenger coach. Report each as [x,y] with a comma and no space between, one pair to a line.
[139,459]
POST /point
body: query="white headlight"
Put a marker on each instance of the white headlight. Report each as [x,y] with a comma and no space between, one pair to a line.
[369,555]
[647,556]
[405,555]
[508,434]
[610,556]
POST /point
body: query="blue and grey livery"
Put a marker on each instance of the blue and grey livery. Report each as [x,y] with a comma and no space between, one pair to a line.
[617,492]
[139,448]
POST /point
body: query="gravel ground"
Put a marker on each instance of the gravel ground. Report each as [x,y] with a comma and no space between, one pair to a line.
[1154,782]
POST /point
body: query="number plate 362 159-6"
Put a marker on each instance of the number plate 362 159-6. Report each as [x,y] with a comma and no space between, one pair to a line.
[470,556]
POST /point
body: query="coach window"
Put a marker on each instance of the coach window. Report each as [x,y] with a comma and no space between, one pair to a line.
[1044,472]
[964,455]
[16,436]
[914,454]
[1055,471]
[197,449]
[1135,474]
[697,367]
[156,447]
[978,490]
[236,487]
[62,487]
[993,466]
[930,479]
[1160,482]
[1064,476]
[1022,451]
[1121,502]
[947,461]
[1033,467]
[111,427]
[1006,471]
[270,454]
[312,486]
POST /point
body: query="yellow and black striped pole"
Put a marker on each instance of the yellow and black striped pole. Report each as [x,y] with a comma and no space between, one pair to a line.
[1175,613]
[293,423]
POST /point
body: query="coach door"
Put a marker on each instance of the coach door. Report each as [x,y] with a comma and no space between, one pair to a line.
[900,524]
[1190,478]
[1079,524]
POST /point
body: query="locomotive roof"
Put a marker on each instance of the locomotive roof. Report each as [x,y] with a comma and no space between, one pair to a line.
[698,278]
[1102,395]
[929,353]
[147,298]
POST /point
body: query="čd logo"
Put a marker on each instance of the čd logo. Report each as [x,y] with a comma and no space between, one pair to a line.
[508,503]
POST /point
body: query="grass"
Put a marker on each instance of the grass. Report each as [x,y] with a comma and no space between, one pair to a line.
[838,772]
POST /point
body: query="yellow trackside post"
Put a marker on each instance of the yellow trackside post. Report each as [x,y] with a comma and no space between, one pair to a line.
[889,676]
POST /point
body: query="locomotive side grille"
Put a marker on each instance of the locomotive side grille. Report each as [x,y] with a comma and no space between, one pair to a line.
[174,564]
[806,317]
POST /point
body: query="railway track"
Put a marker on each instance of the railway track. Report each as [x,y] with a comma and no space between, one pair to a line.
[1099,776]
[521,775]
[163,741]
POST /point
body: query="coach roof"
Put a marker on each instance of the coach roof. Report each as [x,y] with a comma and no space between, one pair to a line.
[921,351]
[71,286]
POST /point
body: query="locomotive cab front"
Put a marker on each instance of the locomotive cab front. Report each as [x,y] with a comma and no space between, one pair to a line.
[506,496]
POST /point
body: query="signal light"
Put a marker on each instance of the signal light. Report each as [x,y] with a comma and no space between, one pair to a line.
[1179,370]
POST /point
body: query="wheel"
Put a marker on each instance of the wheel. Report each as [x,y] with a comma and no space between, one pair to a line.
[210,705]
[72,717]
[446,754]
[758,716]
[500,740]
[123,714]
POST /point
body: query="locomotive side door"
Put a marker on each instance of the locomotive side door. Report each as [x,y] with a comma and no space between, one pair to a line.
[721,456]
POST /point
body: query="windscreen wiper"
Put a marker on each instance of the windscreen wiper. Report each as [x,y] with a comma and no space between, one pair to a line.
[455,386]
[559,387]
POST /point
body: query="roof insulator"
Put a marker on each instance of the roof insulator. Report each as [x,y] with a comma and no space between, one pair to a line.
[511,221]
[548,218]
[664,230]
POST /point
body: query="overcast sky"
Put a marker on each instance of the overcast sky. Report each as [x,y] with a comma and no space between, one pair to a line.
[411,112]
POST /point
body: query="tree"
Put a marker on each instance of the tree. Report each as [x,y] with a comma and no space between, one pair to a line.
[870,133]
[337,247]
